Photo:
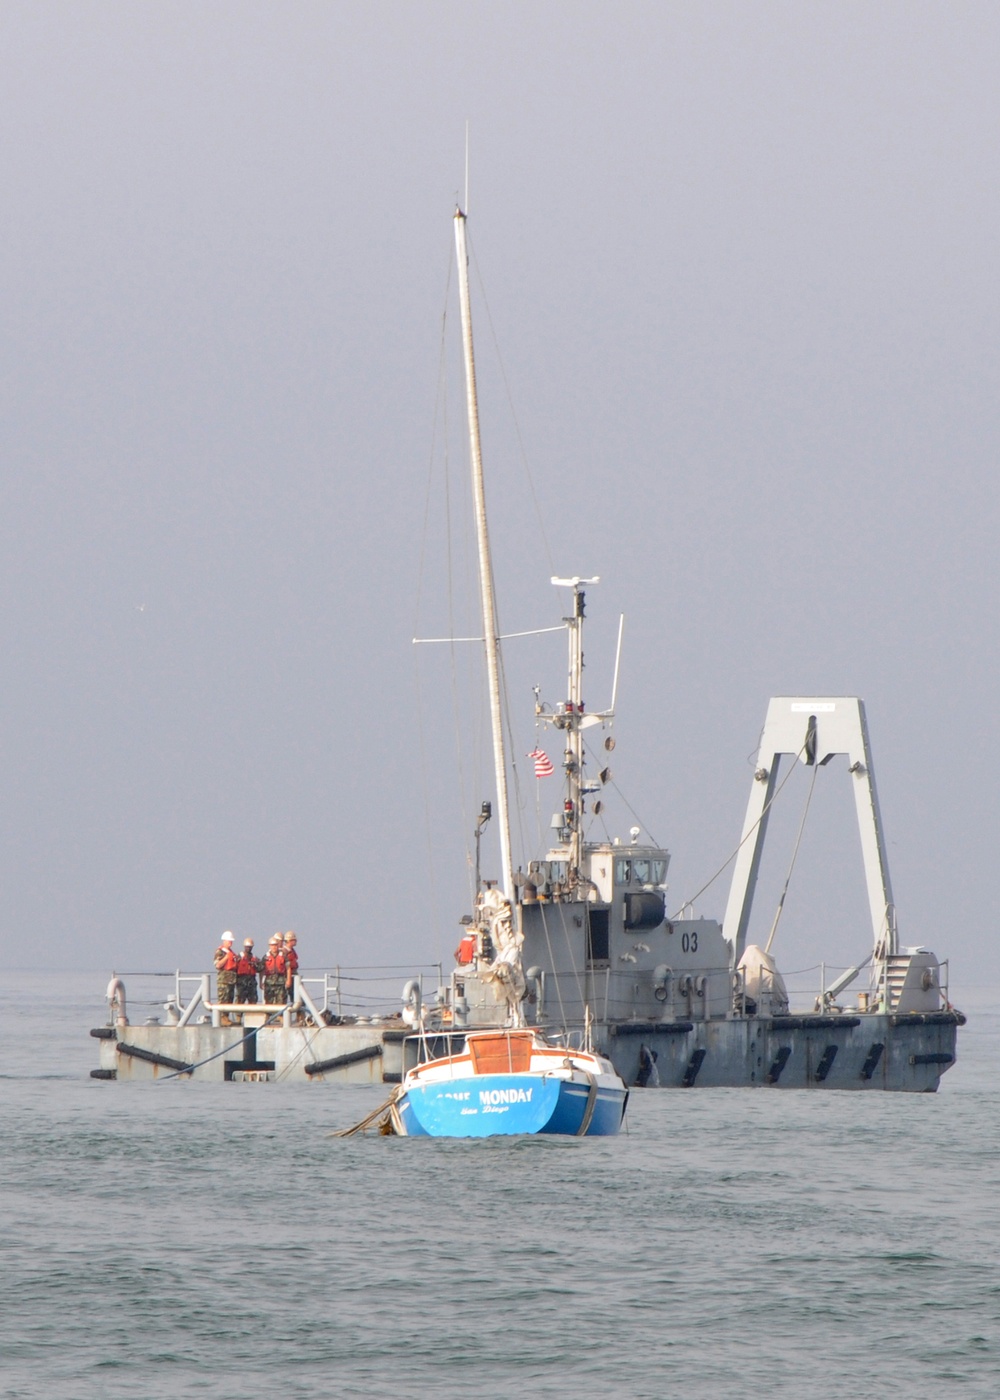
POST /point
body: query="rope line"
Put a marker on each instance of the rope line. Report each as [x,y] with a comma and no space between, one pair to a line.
[369,1118]
[730,858]
[439,434]
[552,963]
[226,1050]
[307,1044]
[526,465]
[791,866]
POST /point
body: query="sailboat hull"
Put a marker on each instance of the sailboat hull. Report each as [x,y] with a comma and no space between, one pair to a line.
[506,1105]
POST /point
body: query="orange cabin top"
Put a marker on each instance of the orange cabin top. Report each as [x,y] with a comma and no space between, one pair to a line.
[507,1052]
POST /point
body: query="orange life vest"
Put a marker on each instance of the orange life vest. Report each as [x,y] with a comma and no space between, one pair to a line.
[225,960]
[291,959]
[246,965]
[274,963]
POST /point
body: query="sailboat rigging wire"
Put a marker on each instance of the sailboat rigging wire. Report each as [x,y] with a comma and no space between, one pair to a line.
[440,417]
[552,964]
[730,858]
[513,413]
[503,637]
[612,783]
[572,958]
[540,838]
[439,434]
[791,866]
[515,772]
[466,801]
[424,767]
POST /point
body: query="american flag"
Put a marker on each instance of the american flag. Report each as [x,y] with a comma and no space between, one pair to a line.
[543,764]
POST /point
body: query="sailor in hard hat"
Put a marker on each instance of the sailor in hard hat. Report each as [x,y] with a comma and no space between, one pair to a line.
[225,967]
[247,967]
[291,964]
[274,971]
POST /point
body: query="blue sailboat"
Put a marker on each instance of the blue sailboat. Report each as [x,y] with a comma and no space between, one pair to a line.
[508,1082]
[509,1079]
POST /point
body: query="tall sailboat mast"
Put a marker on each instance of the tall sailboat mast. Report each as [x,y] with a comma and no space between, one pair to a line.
[491,638]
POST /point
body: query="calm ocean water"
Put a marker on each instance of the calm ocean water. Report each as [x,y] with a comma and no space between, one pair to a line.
[186,1240]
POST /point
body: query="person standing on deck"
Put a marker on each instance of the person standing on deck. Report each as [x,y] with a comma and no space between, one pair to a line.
[225,967]
[246,973]
[274,972]
[291,964]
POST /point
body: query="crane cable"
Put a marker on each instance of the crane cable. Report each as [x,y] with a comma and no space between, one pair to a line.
[733,854]
[791,866]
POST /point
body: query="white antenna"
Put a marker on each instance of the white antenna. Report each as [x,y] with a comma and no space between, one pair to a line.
[465,206]
[618,662]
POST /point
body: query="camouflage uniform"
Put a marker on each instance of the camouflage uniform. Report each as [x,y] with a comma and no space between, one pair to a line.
[291,970]
[225,980]
[274,975]
[246,987]
[246,976]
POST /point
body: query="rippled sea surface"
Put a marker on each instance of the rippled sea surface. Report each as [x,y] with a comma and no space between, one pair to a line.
[177,1239]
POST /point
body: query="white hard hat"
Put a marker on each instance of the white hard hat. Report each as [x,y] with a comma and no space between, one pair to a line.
[227,938]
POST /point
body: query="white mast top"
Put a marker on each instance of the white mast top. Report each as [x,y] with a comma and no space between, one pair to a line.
[490,630]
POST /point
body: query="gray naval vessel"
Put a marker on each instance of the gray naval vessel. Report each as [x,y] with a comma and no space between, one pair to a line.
[587,952]
[683,1002]
[579,944]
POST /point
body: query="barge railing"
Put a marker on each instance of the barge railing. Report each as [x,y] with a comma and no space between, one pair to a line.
[347,993]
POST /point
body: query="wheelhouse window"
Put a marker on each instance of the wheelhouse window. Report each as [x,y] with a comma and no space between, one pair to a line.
[552,872]
[640,870]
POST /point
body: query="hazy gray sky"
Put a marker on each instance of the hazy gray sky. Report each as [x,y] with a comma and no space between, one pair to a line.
[740,263]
